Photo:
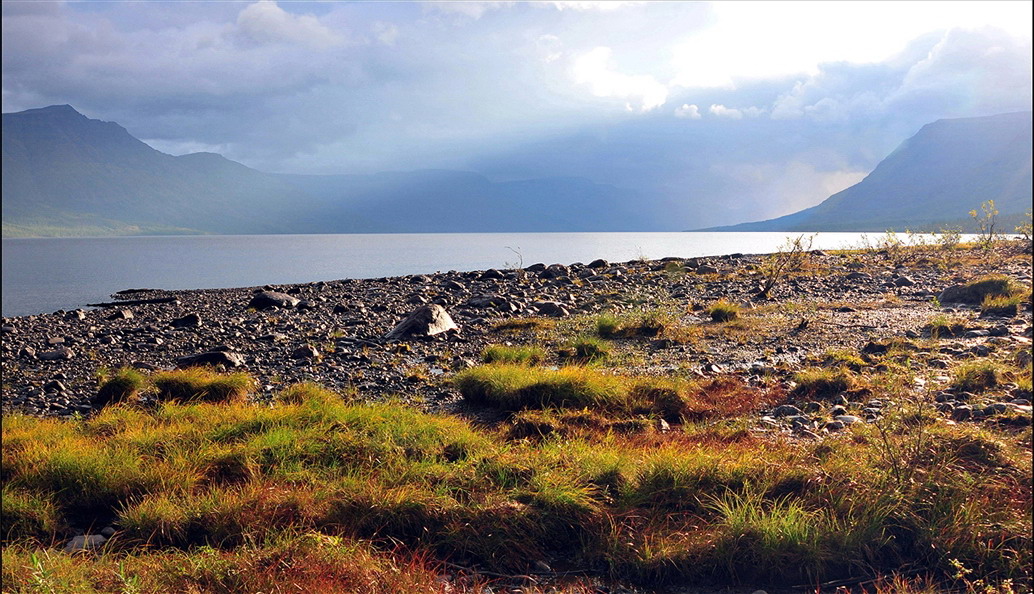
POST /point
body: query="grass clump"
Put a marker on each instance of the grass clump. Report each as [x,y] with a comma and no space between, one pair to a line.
[201,384]
[585,349]
[723,311]
[121,386]
[977,376]
[943,326]
[514,355]
[516,387]
[646,324]
[1002,305]
[822,383]
[307,392]
[316,493]
[974,292]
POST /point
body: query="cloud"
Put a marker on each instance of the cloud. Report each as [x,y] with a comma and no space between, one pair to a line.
[687,111]
[265,22]
[639,91]
[386,33]
[606,5]
[726,112]
[952,74]
[469,8]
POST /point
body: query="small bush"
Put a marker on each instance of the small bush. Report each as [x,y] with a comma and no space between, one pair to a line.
[514,355]
[201,384]
[723,311]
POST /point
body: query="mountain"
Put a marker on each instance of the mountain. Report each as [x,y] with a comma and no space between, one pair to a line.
[931,180]
[66,174]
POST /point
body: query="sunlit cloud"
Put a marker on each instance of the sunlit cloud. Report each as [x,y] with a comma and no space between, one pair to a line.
[687,111]
[725,112]
[265,22]
[641,91]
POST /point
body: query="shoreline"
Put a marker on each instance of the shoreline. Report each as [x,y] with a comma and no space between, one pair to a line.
[321,339]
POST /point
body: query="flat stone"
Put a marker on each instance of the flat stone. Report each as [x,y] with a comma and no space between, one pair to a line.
[271,299]
[86,542]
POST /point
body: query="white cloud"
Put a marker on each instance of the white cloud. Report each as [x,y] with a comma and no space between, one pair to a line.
[640,91]
[687,111]
[471,9]
[726,112]
[265,22]
[386,33]
[756,40]
[606,5]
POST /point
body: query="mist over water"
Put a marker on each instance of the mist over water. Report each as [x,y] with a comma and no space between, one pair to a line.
[47,274]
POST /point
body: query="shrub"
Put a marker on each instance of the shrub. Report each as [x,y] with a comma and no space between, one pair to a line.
[723,311]
[514,355]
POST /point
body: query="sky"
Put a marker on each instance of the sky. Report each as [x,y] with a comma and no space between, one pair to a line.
[728,111]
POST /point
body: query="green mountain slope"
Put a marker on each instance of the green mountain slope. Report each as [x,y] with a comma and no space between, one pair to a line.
[934,178]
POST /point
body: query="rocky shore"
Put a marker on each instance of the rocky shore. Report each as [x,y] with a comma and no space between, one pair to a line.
[334,333]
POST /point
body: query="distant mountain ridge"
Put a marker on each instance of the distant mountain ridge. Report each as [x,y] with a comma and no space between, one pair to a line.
[932,179]
[67,174]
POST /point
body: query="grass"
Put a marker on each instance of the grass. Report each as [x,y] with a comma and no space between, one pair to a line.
[977,376]
[201,384]
[318,493]
[974,292]
[823,383]
[514,355]
[723,311]
[1003,305]
[585,349]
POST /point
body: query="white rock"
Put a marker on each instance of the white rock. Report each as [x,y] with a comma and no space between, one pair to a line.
[85,542]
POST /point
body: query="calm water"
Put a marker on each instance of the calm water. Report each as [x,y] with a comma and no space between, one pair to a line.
[45,275]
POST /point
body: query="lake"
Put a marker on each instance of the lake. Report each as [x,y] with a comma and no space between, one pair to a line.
[47,274]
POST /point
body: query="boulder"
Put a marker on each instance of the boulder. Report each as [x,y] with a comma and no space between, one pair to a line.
[191,320]
[59,355]
[271,299]
[551,308]
[224,358]
[427,320]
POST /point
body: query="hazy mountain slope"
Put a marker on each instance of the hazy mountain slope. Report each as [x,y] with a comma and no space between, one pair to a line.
[59,166]
[936,177]
[456,201]
[65,174]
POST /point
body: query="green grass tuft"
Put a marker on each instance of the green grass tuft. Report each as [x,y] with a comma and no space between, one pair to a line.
[514,355]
